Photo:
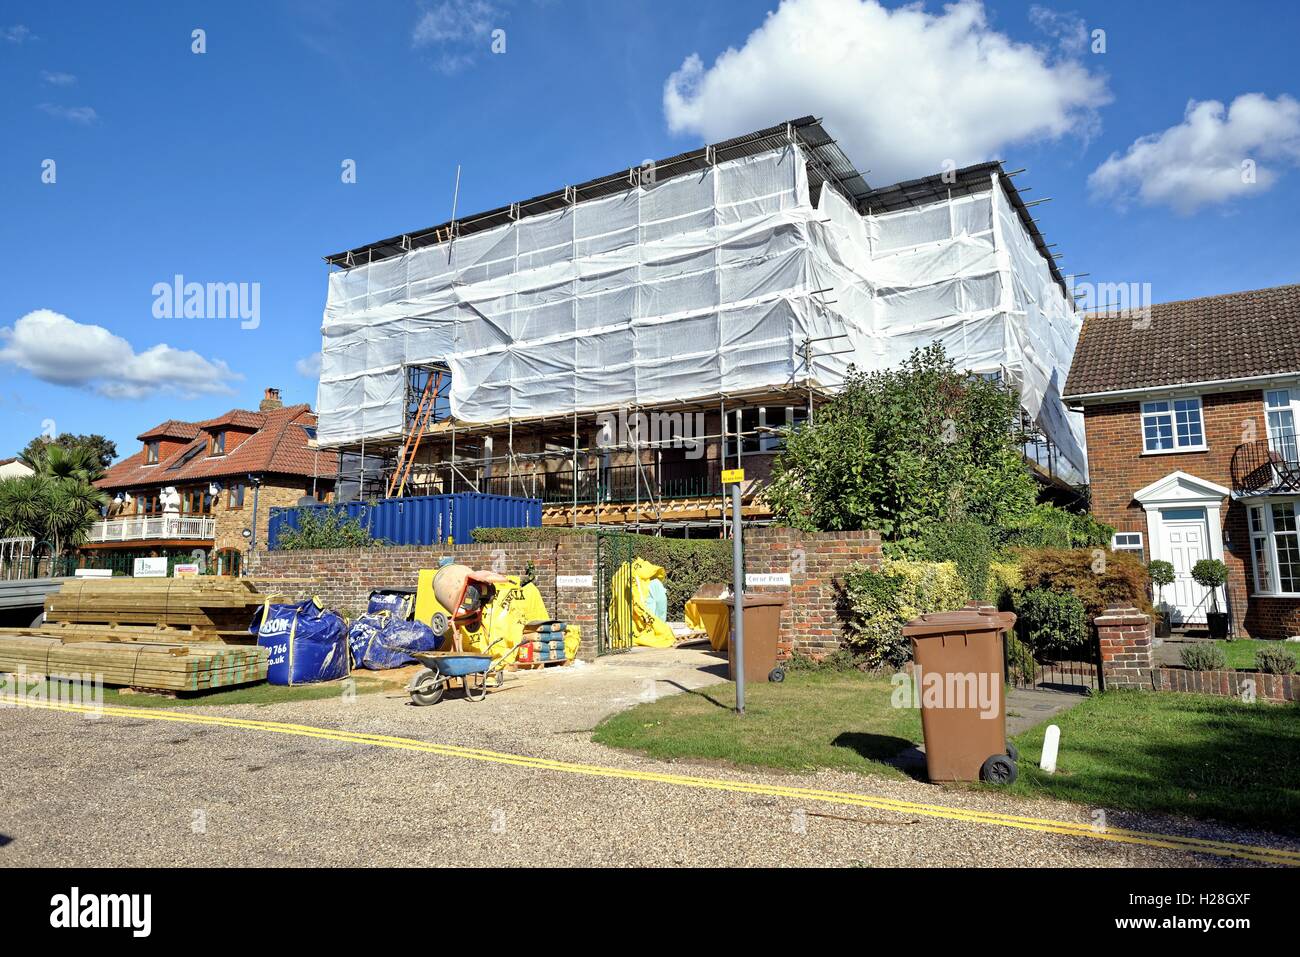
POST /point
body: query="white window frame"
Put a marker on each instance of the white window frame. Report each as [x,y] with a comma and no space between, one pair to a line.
[1268,534]
[1148,410]
[1292,406]
[1133,543]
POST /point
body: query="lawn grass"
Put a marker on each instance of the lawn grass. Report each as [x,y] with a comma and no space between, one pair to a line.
[811,720]
[1146,751]
[1241,652]
[258,694]
[1188,754]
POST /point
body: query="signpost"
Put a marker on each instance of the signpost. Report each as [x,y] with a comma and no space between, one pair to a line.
[734,477]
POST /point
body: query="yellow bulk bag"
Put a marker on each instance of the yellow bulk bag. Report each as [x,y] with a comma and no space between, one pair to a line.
[712,616]
[572,640]
[630,618]
[511,607]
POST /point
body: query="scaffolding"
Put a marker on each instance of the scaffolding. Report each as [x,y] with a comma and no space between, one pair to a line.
[756,271]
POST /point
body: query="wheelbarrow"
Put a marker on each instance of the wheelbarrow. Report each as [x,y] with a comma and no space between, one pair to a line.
[442,667]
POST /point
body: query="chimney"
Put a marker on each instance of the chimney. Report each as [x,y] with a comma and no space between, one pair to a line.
[270,401]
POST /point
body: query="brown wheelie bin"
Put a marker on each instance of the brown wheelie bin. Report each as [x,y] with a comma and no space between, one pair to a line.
[762,629]
[962,685]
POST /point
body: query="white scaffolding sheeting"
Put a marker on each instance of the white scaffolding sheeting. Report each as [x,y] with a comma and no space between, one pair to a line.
[702,284]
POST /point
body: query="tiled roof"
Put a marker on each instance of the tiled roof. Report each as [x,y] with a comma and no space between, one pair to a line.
[279,445]
[1242,335]
[171,429]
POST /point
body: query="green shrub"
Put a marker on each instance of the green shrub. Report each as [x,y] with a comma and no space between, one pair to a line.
[1162,575]
[969,545]
[1275,660]
[881,601]
[1098,577]
[1204,656]
[326,528]
[1047,526]
[1052,622]
[1006,583]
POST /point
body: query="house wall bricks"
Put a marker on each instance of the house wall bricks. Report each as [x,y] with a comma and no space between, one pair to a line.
[1117,467]
[810,622]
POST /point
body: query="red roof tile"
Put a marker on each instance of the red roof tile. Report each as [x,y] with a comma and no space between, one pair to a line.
[278,445]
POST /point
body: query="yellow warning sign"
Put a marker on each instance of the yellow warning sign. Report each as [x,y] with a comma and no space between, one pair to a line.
[731,476]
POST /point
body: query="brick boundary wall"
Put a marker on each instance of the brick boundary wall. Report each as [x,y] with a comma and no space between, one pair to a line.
[1228,684]
[810,622]
[1128,661]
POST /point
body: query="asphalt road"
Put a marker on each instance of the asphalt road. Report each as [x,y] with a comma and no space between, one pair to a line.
[137,790]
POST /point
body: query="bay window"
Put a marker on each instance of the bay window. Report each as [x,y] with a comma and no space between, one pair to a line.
[1275,548]
[1172,425]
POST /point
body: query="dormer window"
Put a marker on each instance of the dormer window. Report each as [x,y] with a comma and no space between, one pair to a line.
[151,453]
[218,444]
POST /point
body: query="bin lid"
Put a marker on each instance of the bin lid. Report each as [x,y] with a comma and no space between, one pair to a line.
[953,622]
[750,601]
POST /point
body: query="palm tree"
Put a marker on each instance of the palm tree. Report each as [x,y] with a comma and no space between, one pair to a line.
[59,503]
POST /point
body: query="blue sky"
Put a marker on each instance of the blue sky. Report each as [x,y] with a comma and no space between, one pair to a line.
[225,166]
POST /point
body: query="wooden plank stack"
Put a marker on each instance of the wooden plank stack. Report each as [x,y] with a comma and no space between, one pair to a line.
[174,634]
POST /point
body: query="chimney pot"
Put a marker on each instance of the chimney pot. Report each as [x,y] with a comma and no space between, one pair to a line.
[270,401]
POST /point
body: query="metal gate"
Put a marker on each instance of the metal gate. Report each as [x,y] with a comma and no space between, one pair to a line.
[614,552]
[1079,673]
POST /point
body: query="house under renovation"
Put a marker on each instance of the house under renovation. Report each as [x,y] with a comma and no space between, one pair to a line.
[612,346]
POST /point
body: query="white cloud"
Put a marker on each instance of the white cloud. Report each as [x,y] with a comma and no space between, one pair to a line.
[903,90]
[15,34]
[456,30]
[1067,29]
[85,115]
[1200,161]
[62,351]
[58,79]
[309,366]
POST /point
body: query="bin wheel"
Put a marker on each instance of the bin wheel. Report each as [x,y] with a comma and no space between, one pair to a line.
[1013,752]
[427,688]
[998,769]
[476,686]
[777,675]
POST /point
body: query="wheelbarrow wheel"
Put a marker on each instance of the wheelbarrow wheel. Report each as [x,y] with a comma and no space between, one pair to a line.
[998,769]
[476,686]
[427,688]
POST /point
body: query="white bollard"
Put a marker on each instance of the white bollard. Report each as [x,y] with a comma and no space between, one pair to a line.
[1051,745]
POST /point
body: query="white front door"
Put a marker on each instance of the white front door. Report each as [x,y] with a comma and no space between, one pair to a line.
[1186,542]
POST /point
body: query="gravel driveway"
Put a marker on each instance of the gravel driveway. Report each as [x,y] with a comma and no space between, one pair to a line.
[135,791]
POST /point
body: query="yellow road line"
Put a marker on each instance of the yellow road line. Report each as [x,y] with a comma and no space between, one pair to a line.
[843,798]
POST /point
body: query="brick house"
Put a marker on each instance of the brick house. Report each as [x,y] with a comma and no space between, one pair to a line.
[1191,411]
[209,486]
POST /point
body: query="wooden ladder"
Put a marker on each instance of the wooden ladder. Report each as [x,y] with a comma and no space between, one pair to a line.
[423,414]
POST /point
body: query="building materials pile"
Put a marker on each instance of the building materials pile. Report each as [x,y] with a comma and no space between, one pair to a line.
[177,634]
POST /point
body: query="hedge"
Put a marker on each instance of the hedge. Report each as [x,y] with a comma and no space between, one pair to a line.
[879,602]
[1099,577]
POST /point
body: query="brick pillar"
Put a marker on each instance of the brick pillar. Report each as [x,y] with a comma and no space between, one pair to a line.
[1126,657]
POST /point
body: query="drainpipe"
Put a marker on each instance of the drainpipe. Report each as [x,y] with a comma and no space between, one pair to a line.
[256,482]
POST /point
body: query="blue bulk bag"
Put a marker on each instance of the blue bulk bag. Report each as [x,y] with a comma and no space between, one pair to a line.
[306,643]
[391,645]
[362,632]
[397,602]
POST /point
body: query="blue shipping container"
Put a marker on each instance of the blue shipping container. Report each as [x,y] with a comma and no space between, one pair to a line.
[423,519]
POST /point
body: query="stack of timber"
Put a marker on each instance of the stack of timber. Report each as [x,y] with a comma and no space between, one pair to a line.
[174,634]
